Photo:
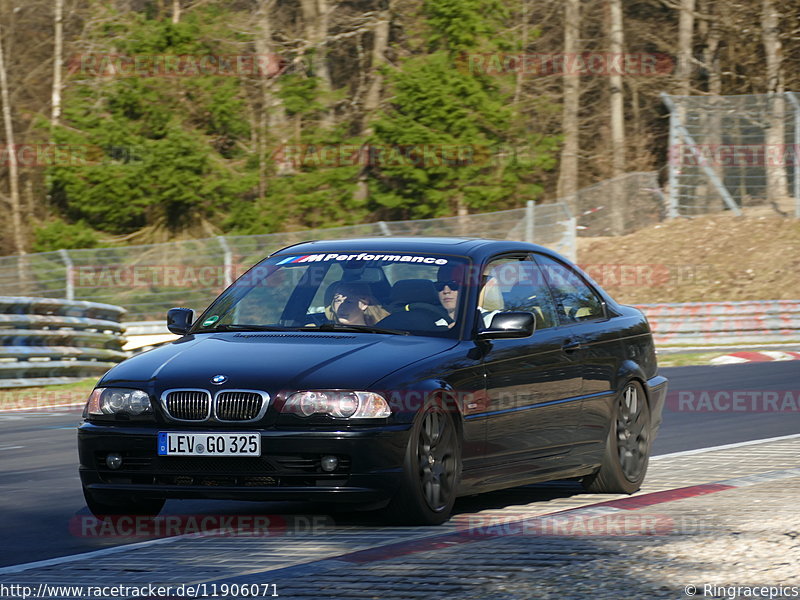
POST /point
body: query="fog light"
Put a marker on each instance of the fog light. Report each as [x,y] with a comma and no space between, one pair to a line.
[329,463]
[114,460]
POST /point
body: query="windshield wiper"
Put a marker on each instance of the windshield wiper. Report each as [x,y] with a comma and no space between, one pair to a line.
[245,327]
[346,327]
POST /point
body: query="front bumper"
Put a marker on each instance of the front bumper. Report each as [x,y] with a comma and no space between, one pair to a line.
[288,468]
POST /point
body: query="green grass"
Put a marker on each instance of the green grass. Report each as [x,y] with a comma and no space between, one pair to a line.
[732,345]
[687,359]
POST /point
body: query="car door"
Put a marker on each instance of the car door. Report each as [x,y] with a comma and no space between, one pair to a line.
[530,382]
[598,349]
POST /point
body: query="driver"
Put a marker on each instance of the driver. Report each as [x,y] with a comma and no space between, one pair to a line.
[448,285]
[448,296]
[354,304]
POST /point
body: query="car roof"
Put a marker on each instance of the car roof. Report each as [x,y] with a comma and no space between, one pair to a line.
[476,248]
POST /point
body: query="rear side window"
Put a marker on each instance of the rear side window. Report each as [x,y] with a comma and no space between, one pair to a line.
[516,284]
[575,300]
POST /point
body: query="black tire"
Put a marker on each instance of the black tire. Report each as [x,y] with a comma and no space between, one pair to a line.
[627,452]
[431,470]
[109,504]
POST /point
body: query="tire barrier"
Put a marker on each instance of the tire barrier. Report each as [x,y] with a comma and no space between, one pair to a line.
[724,323]
[48,340]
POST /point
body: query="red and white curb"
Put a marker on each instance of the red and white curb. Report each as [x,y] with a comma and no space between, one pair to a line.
[501,525]
[745,357]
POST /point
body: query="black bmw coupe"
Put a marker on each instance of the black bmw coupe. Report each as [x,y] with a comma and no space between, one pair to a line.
[388,373]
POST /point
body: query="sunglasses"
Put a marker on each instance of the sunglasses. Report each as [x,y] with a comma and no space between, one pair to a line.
[440,285]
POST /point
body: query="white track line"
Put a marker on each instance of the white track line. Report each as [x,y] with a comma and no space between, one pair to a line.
[103,552]
[124,548]
[726,446]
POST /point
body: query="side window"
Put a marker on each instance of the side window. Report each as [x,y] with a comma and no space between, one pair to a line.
[575,300]
[516,284]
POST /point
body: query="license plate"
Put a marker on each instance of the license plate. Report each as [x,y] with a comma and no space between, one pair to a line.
[176,443]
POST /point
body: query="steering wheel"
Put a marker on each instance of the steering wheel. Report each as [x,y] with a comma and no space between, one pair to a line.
[315,319]
[437,311]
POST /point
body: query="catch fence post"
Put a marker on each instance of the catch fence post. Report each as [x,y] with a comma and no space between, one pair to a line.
[530,221]
[227,260]
[70,275]
[796,105]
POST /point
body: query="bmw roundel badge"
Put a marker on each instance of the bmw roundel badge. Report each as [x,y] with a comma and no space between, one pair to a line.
[219,379]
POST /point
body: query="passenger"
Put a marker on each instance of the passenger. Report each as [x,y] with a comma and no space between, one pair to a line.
[490,298]
[354,304]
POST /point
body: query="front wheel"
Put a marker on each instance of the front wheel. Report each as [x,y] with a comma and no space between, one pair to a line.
[627,451]
[431,470]
[122,504]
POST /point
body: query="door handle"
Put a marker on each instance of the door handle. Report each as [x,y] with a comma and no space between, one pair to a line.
[571,345]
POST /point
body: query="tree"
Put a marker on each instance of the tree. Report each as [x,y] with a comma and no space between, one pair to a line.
[316,19]
[457,123]
[616,47]
[709,32]
[685,37]
[163,155]
[205,154]
[570,125]
[11,152]
[58,59]
[372,96]
[776,173]
[271,122]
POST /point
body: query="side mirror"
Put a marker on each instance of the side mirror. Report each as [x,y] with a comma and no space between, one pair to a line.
[179,320]
[509,325]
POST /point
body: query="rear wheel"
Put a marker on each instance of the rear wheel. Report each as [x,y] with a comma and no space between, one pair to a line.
[117,503]
[431,470]
[628,447]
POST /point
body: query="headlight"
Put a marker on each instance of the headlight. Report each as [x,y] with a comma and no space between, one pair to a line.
[118,401]
[343,404]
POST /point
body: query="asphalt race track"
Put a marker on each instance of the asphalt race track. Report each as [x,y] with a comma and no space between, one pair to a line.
[40,490]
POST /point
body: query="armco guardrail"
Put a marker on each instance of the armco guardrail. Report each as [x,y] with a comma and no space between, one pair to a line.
[49,340]
[724,323]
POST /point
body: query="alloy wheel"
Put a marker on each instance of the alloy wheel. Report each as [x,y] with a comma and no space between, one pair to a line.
[436,454]
[632,433]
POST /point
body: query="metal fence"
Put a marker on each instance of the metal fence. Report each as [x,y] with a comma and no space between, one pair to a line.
[149,279]
[618,206]
[48,340]
[734,152]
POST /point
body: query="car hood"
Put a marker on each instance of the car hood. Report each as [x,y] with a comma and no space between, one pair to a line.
[276,361]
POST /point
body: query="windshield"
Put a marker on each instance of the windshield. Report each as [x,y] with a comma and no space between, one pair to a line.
[393,293]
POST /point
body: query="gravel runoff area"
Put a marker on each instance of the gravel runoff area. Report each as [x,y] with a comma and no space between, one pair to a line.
[739,538]
[718,523]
